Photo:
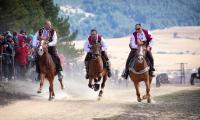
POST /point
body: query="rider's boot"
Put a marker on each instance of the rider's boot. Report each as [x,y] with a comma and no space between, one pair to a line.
[87,70]
[108,68]
[60,76]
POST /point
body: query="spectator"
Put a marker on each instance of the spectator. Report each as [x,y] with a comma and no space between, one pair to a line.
[22,56]
[7,58]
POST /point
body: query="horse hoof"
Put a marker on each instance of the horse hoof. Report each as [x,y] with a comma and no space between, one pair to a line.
[101,93]
[90,86]
[53,97]
[139,99]
[149,100]
[144,97]
[96,87]
[63,87]
[39,91]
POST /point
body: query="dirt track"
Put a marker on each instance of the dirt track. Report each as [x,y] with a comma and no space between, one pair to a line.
[169,102]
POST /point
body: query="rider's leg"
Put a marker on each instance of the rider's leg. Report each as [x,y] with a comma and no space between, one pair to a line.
[104,54]
[151,61]
[87,59]
[54,54]
[130,56]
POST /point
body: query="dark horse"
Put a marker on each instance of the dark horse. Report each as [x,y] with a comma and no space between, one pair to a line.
[193,76]
[140,72]
[47,68]
[97,70]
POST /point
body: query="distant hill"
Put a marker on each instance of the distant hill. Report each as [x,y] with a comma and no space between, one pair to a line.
[116,18]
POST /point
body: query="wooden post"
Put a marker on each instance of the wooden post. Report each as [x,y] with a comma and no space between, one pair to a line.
[182,70]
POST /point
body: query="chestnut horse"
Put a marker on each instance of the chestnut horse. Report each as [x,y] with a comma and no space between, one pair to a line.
[97,70]
[47,68]
[140,72]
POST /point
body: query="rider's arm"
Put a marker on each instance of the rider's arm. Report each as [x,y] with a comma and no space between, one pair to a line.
[152,40]
[132,42]
[86,47]
[104,45]
[54,40]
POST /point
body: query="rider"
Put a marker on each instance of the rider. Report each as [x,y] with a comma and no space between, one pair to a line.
[140,37]
[87,48]
[49,34]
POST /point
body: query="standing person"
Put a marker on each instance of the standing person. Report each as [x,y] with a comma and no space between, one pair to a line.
[22,56]
[49,34]
[94,36]
[8,51]
[142,37]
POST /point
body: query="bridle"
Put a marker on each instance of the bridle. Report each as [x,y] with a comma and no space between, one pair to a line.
[95,55]
[41,47]
[140,58]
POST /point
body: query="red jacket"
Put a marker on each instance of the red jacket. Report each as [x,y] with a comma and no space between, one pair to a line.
[91,41]
[22,52]
[147,35]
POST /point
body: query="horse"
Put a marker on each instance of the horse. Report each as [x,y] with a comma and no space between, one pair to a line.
[97,70]
[47,68]
[140,72]
[193,76]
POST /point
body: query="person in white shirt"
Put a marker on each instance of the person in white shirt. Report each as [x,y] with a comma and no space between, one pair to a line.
[87,48]
[49,34]
[140,36]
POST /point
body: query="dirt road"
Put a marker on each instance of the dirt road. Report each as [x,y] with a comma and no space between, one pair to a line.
[19,101]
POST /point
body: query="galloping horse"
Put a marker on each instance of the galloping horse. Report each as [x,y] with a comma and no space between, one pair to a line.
[47,68]
[140,72]
[97,70]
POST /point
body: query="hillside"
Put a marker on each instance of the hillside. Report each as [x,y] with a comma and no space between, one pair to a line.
[116,18]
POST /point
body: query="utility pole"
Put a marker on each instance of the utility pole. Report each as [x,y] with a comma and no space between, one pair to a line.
[182,70]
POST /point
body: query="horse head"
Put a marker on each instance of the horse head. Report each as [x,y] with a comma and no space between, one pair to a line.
[141,53]
[96,50]
[43,47]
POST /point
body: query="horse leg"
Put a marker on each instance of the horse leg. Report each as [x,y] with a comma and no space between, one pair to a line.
[50,90]
[136,84]
[90,83]
[147,83]
[192,79]
[97,85]
[102,86]
[61,84]
[41,83]
[53,94]
[150,80]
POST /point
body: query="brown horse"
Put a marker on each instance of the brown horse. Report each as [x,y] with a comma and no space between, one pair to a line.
[47,68]
[97,70]
[140,72]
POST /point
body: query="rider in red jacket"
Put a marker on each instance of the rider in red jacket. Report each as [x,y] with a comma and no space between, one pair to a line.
[140,36]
